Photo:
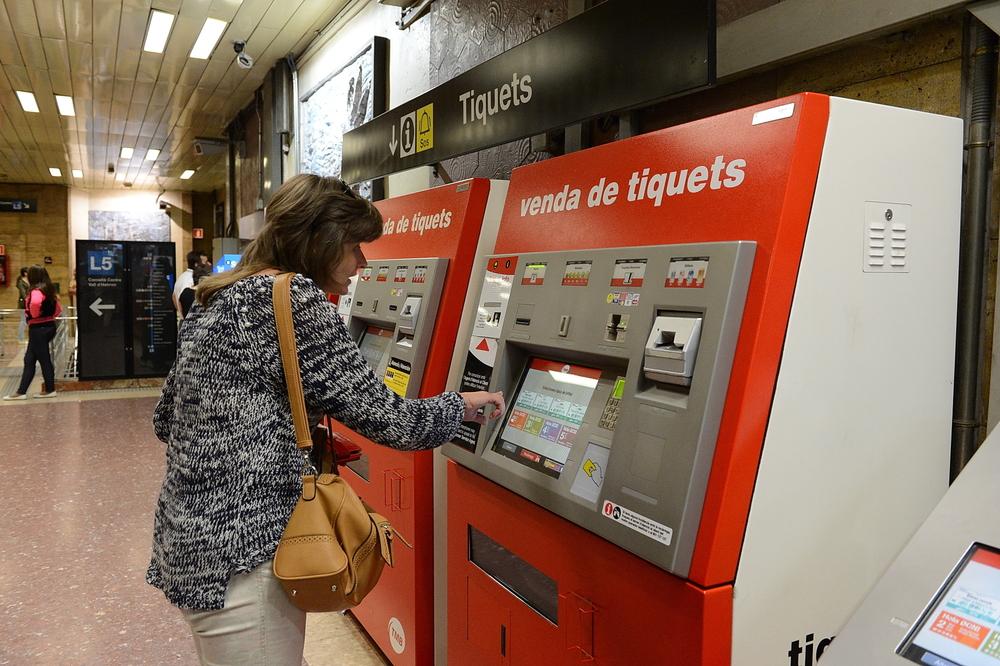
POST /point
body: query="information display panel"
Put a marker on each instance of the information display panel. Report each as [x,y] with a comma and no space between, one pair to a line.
[373,344]
[961,625]
[546,413]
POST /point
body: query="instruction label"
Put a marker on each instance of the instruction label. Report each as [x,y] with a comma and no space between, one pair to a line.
[494,297]
[534,274]
[629,273]
[366,274]
[638,522]
[397,376]
[577,273]
[419,274]
[687,273]
[383,274]
[401,274]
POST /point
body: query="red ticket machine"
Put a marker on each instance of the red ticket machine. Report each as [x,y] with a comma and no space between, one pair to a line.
[404,312]
[725,414]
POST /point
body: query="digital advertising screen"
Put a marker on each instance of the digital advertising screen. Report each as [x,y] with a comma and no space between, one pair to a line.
[373,344]
[961,626]
[226,262]
[546,414]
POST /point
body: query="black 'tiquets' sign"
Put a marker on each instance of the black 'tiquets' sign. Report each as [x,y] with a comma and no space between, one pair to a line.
[618,55]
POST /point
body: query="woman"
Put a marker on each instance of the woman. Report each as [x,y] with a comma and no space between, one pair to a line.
[41,308]
[233,472]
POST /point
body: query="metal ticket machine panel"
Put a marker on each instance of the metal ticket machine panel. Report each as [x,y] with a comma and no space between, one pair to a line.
[713,344]
[404,312]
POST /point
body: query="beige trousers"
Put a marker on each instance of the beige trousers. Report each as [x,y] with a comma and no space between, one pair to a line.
[258,626]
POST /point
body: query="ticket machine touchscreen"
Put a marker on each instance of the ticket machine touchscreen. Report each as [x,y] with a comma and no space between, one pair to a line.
[546,414]
[961,625]
[373,343]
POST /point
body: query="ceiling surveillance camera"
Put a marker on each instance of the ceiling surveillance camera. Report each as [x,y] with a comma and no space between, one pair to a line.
[164,205]
[243,59]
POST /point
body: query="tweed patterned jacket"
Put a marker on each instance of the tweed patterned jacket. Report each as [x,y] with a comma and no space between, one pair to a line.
[233,473]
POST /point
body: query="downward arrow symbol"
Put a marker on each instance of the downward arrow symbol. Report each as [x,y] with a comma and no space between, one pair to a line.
[393,143]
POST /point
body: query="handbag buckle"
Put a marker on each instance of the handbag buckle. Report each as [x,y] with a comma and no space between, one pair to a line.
[308,469]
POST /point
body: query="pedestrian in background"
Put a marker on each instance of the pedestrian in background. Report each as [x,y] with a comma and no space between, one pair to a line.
[41,309]
[186,279]
[186,299]
[23,287]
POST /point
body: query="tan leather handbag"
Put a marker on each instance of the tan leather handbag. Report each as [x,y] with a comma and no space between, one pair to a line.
[334,547]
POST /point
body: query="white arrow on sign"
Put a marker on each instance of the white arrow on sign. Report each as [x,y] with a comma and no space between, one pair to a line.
[393,143]
[99,309]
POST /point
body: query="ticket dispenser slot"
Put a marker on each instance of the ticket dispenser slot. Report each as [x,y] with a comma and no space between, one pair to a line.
[408,319]
[671,349]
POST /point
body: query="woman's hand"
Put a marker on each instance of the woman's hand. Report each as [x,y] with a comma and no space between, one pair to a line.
[476,403]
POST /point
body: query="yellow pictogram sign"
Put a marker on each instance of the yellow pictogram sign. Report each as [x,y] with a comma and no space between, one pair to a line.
[425,127]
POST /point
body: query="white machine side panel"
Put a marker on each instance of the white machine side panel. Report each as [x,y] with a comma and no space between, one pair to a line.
[856,452]
[487,240]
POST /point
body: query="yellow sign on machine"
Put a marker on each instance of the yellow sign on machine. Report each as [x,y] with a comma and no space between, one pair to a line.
[397,376]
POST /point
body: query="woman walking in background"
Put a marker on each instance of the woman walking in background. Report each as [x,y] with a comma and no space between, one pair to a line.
[23,287]
[40,309]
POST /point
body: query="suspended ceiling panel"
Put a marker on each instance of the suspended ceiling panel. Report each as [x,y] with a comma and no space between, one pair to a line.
[92,50]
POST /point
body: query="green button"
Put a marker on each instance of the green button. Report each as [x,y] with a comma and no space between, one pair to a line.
[619,389]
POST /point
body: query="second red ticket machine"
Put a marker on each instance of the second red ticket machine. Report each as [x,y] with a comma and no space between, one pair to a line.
[404,311]
[727,349]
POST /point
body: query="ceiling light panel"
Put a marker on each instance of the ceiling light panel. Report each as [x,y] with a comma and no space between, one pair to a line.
[158,31]
[28,102]
[55,172]
[65,104]
[152,154]
[187,174]
[77,173]
[126,153]
[208,38]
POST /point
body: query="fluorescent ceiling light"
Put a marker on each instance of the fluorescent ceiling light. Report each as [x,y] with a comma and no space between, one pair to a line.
[55,172]
[158,31]
[65,104]
[77,173]
[126,153]
[28,102]
[152,154]
[208,38]
[187,174]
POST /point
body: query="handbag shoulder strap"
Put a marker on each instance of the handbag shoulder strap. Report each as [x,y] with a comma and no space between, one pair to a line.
[282,298]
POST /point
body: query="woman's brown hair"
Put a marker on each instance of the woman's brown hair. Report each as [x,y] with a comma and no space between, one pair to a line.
[307,223]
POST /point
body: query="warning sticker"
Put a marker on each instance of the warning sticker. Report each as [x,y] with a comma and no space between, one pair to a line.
[577,273]
[383,274]
[534,274]
[638,522]
[687,273]
[401,274]
[629,273]
[397,376]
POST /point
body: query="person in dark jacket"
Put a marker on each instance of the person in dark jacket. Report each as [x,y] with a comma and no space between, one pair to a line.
[23,287]
[41,308]
[186,299]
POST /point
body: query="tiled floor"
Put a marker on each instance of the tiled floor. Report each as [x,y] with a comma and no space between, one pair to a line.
[79,484]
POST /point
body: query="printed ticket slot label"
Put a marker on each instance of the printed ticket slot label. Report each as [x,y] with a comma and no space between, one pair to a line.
[577,273]
[397,376]
[366,274]
[401,273]
[687,273]
[383,274]
[534,274]
[629,273]
[419,274]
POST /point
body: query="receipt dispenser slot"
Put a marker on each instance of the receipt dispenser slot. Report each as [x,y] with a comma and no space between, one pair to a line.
[671,349]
